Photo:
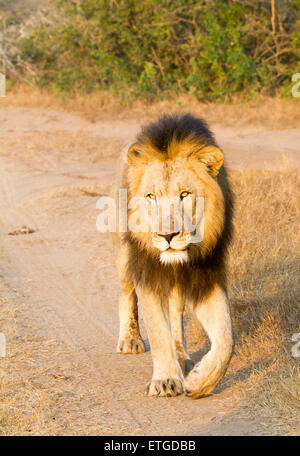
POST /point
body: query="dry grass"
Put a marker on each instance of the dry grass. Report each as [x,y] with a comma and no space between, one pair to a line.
[265,288]
[264,272]
[273,113]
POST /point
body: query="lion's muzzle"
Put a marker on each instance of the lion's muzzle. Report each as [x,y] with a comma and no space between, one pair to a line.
[173,246]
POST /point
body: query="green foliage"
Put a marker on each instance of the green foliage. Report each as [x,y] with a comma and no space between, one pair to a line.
[141,48]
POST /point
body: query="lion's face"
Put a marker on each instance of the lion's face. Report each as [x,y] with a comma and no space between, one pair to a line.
[170,190]
[183,207]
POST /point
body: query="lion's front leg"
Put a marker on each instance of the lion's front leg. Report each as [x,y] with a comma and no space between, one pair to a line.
[214,316]
[167,379]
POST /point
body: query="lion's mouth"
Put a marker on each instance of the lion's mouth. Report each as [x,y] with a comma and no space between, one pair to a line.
[174,256]
[170,250]
[178,243]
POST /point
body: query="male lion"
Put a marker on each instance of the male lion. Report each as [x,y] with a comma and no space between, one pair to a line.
[176,157]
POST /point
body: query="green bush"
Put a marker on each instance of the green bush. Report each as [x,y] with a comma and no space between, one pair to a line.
[143,48]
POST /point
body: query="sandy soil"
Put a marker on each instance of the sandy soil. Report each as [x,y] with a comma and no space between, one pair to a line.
[63,280]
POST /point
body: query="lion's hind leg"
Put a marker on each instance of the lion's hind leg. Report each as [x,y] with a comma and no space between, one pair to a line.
[214,316]
[130,341]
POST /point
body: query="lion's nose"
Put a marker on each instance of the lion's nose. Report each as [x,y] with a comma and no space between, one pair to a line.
[168,237]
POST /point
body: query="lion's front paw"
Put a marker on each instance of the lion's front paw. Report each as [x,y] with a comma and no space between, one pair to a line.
[196,386]
[131,346]
[168,387]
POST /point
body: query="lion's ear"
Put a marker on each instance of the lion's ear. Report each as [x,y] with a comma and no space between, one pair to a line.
[213,157]
[133,155]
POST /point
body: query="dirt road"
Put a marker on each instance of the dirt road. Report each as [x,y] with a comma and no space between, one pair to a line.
[63,281]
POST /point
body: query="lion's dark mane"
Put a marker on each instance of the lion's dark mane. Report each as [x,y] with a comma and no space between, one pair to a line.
[195,279]
[176,127]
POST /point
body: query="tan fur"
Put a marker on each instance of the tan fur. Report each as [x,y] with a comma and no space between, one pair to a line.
[165,274]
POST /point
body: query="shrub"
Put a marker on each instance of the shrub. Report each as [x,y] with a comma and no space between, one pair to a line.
[141,48]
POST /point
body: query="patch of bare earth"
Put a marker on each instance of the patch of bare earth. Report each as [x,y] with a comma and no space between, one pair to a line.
[273,113]
[59,288]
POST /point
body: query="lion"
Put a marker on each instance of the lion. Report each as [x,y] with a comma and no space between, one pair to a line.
[176,158]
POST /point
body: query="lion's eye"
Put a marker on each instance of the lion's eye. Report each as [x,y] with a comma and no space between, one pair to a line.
[184,194]
[151,196]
